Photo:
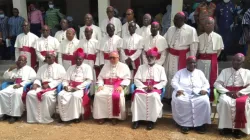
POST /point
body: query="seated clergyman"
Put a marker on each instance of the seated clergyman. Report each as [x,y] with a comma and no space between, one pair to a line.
[190,104]
[234,106]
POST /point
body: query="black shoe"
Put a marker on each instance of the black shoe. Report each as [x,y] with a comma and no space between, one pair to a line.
[12,120]
[150,125]
[184,130]
[201,129]
[77,120]
[225,131]
[237,134]
[4,117]
[135,125]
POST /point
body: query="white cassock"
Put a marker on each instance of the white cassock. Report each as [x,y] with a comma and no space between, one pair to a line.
[117,23]
[97,33]
[91,52]
[145,31]
[160,43]
[43,45]
[132,48]
[70,103]
[25,46]
[107,45]
[11,103]
[102,107]
[61,35]
[42,111]
[182,43]
[66,50]
[147,106]
[208,51]
[125,31]
[227,105]
[190,109]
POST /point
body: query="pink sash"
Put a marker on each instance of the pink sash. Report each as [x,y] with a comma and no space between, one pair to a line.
[115,95]
[85,100]
[240,117]
[182,56]
[149,82]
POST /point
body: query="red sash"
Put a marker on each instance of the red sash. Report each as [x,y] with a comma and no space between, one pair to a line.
[32,54]
[39,94]
[115,95]
[182,56]
[136,61]
[85,99]
[106,56]
[149,82]
[69,58]
[213,71]
[240,117]
[90,57]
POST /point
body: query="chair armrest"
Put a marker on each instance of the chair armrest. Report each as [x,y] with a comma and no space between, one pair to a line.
[163,92]
[27,86]
[132,88]
[6,84]
[216,96]
[59,88]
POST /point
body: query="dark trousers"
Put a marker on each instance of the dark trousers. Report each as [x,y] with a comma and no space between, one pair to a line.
[36,29]
[4,51]
[12,47]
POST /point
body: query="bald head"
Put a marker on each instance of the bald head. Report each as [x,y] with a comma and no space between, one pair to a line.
[110,29]
[155,26]
[21,61]
[209,25]
[132,28]
[88,32]
[114,57]
[45,31]
[26,27]
[110,12]
[70,34]
[88,19]
[130,15]
[146,19]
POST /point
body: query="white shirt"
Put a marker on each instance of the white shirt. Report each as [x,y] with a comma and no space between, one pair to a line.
[117,23]
[97,33]
[61,35]
[145,31]
[125,31]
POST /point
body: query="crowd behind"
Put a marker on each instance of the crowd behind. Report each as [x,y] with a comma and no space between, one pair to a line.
[155,61]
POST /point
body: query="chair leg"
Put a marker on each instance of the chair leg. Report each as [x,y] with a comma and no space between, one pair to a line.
[215,112]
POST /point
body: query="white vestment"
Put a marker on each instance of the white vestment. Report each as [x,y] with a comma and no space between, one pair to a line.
[117,23]
[25,40]
[11,103]
[157,41]
[145,31]
[190,109]
[179,39]
[61,35]
[42,111]
[132,43]
[67,48]
[227,106]
[107,45]
[70,103]
[102,107]
[45,44]
[209,44]
[147,106]
[125,31]
[97,33]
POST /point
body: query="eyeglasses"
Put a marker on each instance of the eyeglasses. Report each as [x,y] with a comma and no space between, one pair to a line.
[128,14]
[112,58]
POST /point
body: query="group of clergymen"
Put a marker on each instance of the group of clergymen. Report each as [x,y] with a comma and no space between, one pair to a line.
[104,65]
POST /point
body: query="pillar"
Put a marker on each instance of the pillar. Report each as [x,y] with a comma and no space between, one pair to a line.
[21,6]
[102,6]
[176,7]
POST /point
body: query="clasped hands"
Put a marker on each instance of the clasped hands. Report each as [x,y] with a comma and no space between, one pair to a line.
[149,88]
[66,88]
[233,94]
[118,89]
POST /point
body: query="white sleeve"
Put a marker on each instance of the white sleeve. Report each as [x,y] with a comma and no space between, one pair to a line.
[163,82]
[175,81]
[220,81]
[138,79]
[55,82]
